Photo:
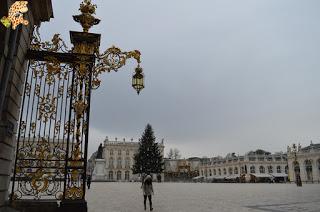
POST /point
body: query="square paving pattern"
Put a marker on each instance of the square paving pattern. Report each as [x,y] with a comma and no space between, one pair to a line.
[205,197]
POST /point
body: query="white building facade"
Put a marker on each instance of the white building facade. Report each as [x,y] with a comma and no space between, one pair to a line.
[308,163]
[118,160]
[254,166]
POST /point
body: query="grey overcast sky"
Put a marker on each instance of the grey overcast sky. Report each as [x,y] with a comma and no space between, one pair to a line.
[221,75]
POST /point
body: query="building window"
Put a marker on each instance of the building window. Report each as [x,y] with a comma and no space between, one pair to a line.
[261,158]
[270,170]
[243,170]
[262,169]
[230,171]
[118,175]
[126,175]
[252,169]
[278,169]
[269,158]
[219,170]
[252,158]
[224,171]
[119,152]
[201,172]
[119,166]
[111,151]
[127,152]
[308,164]
[127,165]
[111,163]
[278,158]
[210,172]
[110,175]
[214,172]
[235,170]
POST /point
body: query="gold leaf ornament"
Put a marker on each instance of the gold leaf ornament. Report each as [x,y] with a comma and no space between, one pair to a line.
[6,21]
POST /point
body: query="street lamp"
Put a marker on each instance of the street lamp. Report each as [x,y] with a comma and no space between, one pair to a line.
[111,59]
[138,80]
[296,166]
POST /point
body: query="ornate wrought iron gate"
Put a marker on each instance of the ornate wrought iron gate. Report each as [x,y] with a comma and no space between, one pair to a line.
[51,156]
[53,130]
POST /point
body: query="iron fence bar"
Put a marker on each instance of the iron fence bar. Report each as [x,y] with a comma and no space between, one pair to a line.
[61,57]
[68,138]
[87,130]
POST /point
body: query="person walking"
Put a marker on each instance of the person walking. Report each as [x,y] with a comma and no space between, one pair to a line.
[89,181]
[147,191]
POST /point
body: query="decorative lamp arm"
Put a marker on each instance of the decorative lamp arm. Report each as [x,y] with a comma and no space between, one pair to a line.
[111,60]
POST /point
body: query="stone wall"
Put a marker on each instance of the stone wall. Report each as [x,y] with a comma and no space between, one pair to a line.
[12,88]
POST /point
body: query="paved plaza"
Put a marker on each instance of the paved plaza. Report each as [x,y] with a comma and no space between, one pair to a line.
[205,197]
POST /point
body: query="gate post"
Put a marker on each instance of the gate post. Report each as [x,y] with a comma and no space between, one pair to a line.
[84,44]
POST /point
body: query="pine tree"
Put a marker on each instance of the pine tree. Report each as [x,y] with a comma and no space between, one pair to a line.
[148,158]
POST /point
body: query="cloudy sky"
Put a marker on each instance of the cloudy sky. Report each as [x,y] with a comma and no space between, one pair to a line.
[220,75]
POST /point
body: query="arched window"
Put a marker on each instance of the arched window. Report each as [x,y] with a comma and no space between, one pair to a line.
[252,169]
[118,175]
[235,170]
[230,171]
[224,171]
[278,169]
[270,169]
[111,151]
[126,175]
[111,163]
[210,172]
[127,152]
[201,172]
[214,172]
[110,175]
[308,164]
[262,170]
[319,165]
[219,170]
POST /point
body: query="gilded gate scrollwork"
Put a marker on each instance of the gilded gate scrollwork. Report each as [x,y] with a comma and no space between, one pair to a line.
[48,140]
[53,130]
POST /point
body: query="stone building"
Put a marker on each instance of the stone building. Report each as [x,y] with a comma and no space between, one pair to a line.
[118,160]
[181,169]
[255,166]
[13,49]
[308,163]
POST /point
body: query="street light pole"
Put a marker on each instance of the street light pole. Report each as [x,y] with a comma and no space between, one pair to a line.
[296,166]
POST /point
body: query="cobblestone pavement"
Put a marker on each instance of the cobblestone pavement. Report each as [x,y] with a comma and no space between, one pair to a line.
[205,197]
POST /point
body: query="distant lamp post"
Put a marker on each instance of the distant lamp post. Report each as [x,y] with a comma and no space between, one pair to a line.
[138,80]
[296,166]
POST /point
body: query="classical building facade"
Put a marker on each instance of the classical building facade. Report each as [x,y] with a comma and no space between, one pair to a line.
[307,163]
[118,159]
[181,169]
[255,166]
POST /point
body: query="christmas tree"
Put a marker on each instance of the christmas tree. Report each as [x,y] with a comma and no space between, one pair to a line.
[148,158]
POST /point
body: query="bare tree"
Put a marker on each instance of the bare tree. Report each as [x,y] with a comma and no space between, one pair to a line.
[174,154]
[170,154]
